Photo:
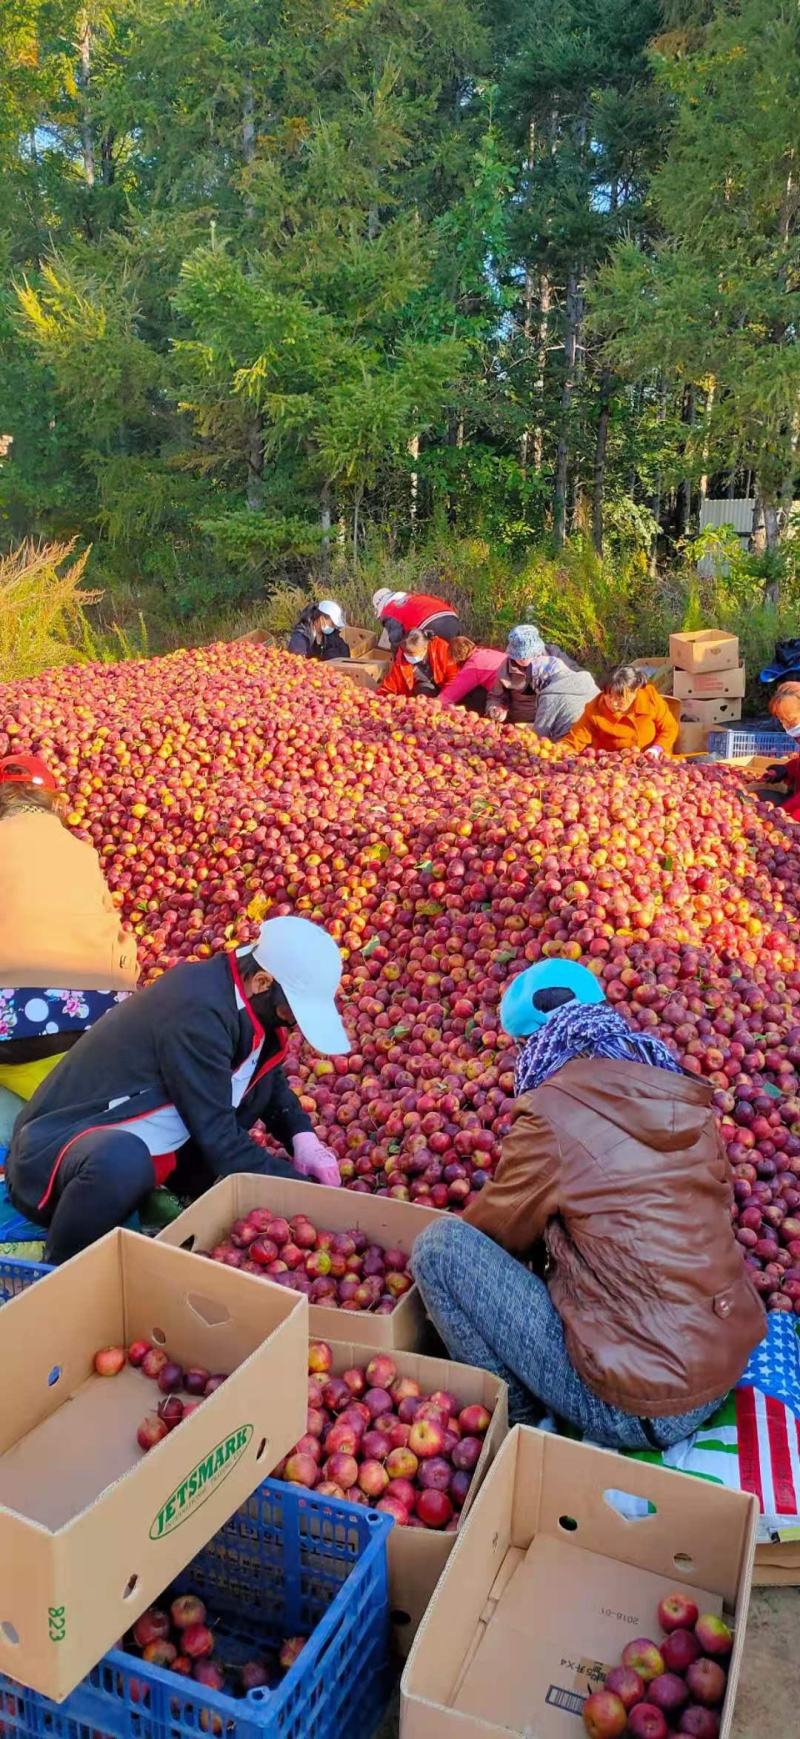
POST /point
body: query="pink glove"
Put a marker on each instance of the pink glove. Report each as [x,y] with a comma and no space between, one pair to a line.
[313,1159]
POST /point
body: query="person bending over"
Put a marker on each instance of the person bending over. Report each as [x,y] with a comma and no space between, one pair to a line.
[647,1315]
[629,713]
[477,668]
[420,666]
[64,956]
[398,612]
[172,1080]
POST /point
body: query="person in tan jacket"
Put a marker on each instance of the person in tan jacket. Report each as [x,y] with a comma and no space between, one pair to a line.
[64,956]
[647,1315]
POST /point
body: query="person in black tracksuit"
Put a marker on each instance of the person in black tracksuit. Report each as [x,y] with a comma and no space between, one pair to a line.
[317,635]
[169,1081]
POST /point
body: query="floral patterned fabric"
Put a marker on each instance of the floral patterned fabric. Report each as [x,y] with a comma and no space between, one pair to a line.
[31,1013]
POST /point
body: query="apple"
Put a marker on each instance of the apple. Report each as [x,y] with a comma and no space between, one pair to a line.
[714,1636]
[700,1723]
[160,1653]
[152,1430]
[677,1612]
[137,1352]
[402,1463]
[426,1438]
[195,1380]
[187,1609]
[373,1478]
[679,1649]
[381,1372]
[646,1721]
[290,1650]
[152,1626]
[108,1362]
[153,1362]
[197,1640]
[320,1357]
[207,1673]
[625,1684]
[474,1420]
[706,1680]
[171,1410]
[170,1378]
[301,1469]
[668,1692]
[645,1658]
[604,1715]
[433,1507]
[391,1506]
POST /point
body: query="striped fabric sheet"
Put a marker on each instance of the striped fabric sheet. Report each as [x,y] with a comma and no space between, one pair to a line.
[768,1442]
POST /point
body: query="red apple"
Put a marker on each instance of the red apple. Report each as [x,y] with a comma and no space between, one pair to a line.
[677,1612]
[645,1658]
[706,1680]
[604,1715]
[109,1361]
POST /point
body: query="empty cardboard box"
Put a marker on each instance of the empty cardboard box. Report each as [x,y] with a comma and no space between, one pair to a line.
[393,1224]
[709,684]
[417,1556]
[92,1528]
[692,738]
[658,671]
[705,649]
[550,1581]
[364,672]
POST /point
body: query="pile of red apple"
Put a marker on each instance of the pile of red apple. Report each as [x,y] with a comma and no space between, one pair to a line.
[181,1638]
[673,1686]
[338,1269]
[374,1438]
[155,1362]
[445,853]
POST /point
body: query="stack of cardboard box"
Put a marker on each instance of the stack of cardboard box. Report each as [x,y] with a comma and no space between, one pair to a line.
[709,683]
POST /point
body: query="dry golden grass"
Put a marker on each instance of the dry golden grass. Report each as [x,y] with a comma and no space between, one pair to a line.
[42,609]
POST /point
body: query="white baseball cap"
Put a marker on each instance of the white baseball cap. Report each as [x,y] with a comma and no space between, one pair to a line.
[329,607]
[306,963]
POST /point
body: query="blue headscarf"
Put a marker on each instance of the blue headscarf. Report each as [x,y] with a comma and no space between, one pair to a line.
[586,1030]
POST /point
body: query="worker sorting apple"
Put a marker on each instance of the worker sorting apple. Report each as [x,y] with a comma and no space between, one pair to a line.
[614,1179]
[168,1084]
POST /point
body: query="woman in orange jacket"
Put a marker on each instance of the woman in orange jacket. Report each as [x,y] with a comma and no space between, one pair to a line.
[421,666]
[628,713]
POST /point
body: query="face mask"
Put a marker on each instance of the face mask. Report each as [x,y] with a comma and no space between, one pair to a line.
[327,628]
[410,660]
[272,1009]
[515,677]
[793,730]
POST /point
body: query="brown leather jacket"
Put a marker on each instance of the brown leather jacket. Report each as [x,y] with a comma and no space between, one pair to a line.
[620,1167]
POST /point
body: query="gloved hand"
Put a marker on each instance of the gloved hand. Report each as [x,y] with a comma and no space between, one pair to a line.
[313,1159]
[774,775]
[654,751]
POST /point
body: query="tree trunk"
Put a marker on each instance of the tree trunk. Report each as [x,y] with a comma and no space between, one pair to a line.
[656,506]
[248,139]
[600,454]
[708,408]
[413,449]
[83,80]
[357,500]
[255,465]
[685,490]
[107,165]
[325,522]
[572,314]
[525,438]
[545,299]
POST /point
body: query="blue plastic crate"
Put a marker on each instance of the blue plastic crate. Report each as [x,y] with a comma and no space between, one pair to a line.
[731,744]
[287,1564]
[15,1276]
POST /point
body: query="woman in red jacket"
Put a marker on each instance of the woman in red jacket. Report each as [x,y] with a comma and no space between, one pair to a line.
[421,666]
[398,612]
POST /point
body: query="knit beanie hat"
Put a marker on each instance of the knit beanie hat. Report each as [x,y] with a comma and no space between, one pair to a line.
[525,643]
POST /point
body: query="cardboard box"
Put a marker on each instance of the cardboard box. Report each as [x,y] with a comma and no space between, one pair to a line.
[549,1582]
[705,649]
[692,739]
[657,670]
[91,1529]
[778,1566]
[364,672]
[361,641]
[387,1222]
[710,712]
[709,684]
[417,1557]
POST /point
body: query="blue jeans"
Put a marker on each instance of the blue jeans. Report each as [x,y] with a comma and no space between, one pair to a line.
[491,1312]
